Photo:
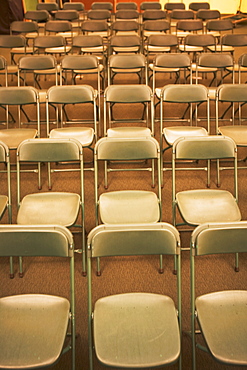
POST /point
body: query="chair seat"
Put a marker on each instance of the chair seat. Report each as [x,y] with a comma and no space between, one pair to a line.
[171,134]
[158,49]
[41,318]
[223,319]
[200,206]
[3,204]
[129,206]
[135,330]
[56,208]
[129,132]
[85,135]
[190,48]
[237,133]
[163,69]
[13,137]
[220,48]
[58,50]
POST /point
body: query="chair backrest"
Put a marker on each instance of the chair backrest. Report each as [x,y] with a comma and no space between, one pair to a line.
[173,5]
[5,158]
[123,240]
[37,15]
[12,41]
[24,27]
[189,25]
[50,7]
[199,5]
[119,27]
[235,40]
[67,15]
[91,26]
[47,241]
[206,14]
[214,238]
[102,5]
[155,25]
[48,41]
[181,14]
[127,14]
[99,15]
[150,5]
[126,5]
[74,6]
[219,25]
[87,41]
[242,63]
[151,14]
[58,26]
[200,40]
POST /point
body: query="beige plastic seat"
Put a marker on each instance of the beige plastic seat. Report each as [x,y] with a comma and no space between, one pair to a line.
[17,99]
[47,208]
[125,65]
[77,98]
[139,123]
[136,329]
[221,315]
[37,329]
[194,97]
[197,206]
[128,206]
[235,95]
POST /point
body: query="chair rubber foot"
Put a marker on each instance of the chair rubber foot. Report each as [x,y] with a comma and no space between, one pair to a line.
[49,187]
[236,269]
[161,271]
[174,272]
[39,187]
[98,273]
[11,276]
[218,185]
[84,273]
[21,274]
[106,187]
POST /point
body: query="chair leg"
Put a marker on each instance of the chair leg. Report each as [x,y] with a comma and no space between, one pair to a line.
[20,267]
[11,272]
[237,262]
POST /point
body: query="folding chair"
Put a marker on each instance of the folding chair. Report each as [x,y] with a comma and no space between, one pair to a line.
[75,97]
[96,28]
[128,206]
[126,65]
[51,44]
[232,95]
[17,98]
[15,42]
[197,206]
[160,44]
[39,16]
[36,66]
[125,44]
[221,315]
[37,329]
[154,27]
[134,330]
[99,15]
[28,29]
[139,122]
[129,27]
[45,208]
[153,14]
[242,67]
